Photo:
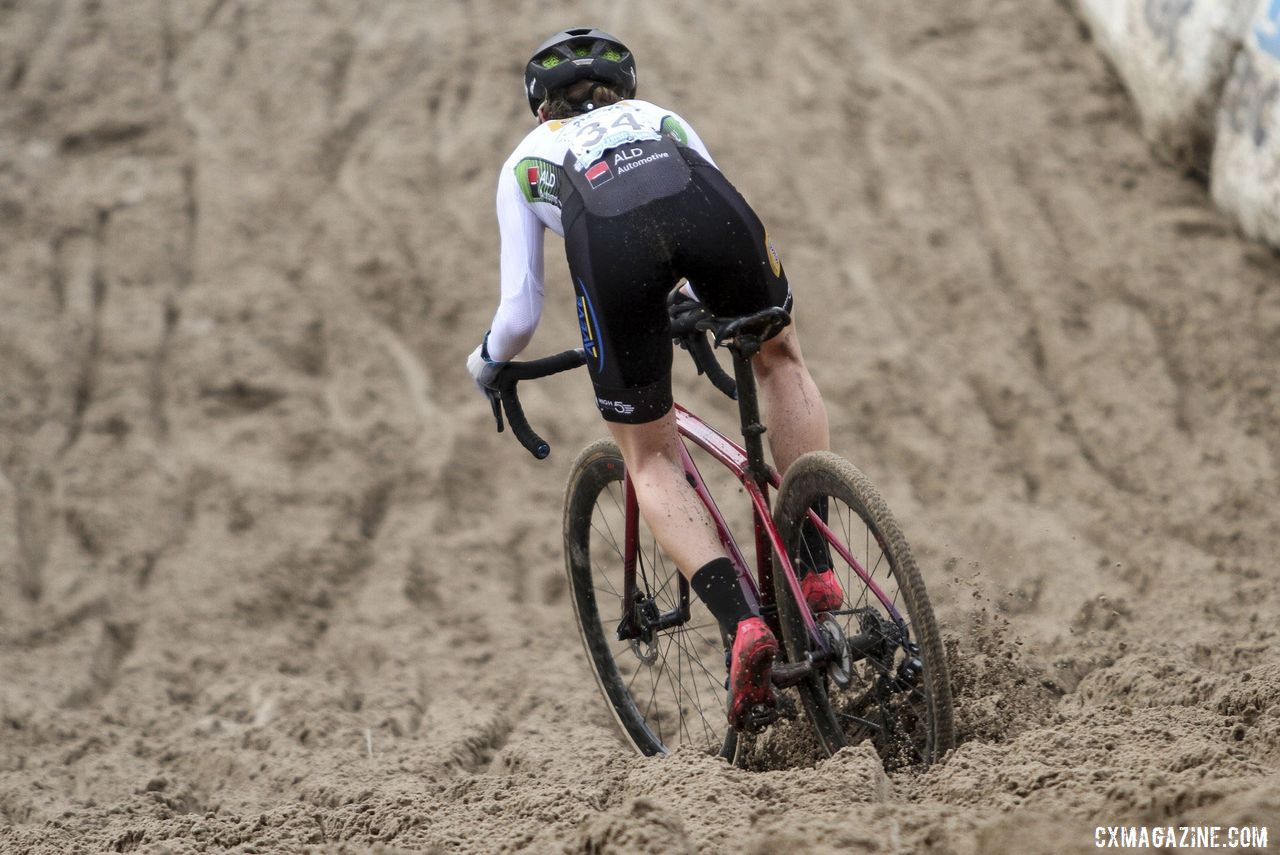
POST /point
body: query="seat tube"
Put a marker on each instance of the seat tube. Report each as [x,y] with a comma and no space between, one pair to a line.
[631,541]
[749,412]
[752,431]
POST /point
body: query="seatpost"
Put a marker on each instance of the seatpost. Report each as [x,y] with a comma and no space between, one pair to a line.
[744,347]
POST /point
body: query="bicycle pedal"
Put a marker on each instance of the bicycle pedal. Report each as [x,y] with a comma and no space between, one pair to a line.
[759,717]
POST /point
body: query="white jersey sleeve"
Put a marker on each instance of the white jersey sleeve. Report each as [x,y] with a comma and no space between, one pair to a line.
[520,309]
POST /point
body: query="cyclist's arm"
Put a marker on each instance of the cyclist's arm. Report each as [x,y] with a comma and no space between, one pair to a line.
[520,309]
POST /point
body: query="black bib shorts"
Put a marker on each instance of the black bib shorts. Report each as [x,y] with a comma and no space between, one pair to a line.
[640,219]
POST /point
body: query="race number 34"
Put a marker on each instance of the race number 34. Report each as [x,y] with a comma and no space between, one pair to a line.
[611,126]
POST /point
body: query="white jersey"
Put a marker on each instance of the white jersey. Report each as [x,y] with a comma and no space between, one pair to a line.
[529,193]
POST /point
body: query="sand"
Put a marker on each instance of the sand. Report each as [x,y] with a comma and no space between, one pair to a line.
[269,580]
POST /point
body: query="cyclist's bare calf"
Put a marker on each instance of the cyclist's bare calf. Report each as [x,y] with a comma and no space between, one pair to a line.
[670,507]
[794,412]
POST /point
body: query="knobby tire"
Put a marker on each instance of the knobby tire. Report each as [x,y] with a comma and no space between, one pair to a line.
[916,727]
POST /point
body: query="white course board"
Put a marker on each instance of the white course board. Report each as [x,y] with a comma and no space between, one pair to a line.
[1246,158]
[1173,56]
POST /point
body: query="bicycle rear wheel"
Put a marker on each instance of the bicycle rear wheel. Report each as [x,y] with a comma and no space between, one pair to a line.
[894,687]
[665,684]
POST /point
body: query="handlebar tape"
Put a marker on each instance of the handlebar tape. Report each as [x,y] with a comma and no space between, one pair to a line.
[544,367]
[514,372]
[520,424]
[705,359]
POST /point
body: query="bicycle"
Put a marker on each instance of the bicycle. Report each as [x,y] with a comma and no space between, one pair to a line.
[874,668]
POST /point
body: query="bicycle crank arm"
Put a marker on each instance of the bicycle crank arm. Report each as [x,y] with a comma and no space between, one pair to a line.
[789,673]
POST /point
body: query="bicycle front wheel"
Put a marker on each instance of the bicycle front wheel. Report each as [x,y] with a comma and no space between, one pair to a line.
[659,657]
[892,685]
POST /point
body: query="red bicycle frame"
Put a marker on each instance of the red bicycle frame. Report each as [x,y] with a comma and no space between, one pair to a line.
[758,589]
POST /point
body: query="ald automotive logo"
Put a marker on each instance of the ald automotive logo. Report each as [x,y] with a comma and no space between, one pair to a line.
[1268,32]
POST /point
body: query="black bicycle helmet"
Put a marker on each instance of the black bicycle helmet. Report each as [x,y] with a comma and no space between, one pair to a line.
[580,53]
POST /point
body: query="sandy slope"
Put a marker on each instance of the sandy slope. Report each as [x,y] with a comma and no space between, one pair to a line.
[268,579]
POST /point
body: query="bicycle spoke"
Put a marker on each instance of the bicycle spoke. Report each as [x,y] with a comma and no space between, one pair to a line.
[639,668]
[706,727]
[671,597]
[617,503]
[654,694]
[680,691]
[711,676]
[610,589]
[613,538]
[691,693]
[618,552]
[674,685]
[694,680]
[642,576]
[660,563]
[859,720]
[679,708]
[697,626]
[608,539]
[657,564]
[861,700]
[712,644]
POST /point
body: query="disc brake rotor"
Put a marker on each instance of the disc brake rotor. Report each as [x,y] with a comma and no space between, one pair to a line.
[645,645]
[646,653]
[840,666]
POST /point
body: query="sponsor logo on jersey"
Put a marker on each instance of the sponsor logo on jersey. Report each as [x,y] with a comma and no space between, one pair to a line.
[628,164]
[589,328]
[618,407]
[672,128]
[539,180]
[775,263]
[599,174]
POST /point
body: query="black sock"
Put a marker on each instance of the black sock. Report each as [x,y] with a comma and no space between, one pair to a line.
[814,554]
[716,584]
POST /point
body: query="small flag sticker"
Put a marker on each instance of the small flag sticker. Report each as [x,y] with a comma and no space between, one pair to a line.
[532,177]
[599,174]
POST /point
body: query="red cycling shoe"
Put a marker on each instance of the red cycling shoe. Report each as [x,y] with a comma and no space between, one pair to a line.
[752,702]
[822,591]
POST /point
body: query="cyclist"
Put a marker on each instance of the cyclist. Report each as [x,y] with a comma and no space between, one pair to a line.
[640,204]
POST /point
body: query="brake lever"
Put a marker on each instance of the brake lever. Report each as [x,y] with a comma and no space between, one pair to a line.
[496,403]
